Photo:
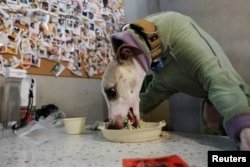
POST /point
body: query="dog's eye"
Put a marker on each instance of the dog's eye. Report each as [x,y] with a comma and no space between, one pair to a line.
[111,92]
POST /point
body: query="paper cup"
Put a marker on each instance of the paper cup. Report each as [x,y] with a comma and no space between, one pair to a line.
[74,126]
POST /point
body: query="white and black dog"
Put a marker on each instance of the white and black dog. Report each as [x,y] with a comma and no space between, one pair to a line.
[122,82]
[189,61]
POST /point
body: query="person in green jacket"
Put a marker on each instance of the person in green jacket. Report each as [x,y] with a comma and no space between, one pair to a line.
[191,62]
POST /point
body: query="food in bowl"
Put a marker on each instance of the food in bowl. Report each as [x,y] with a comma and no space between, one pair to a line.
[129,125]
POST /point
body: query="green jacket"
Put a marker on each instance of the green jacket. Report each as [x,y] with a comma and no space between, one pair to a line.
[196,65]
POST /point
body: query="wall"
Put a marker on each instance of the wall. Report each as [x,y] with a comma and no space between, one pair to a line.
[74,96]
[226,20]
[135,9]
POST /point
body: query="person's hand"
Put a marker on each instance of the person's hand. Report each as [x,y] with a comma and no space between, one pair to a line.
[245,139]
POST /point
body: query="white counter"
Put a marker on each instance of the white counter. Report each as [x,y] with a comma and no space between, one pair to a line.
[56,149]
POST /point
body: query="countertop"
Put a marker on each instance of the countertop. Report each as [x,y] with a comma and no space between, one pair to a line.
[54,148]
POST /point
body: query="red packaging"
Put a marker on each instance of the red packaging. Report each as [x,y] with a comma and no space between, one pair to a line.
[168,161]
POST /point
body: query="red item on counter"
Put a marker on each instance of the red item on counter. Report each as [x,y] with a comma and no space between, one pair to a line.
[23,112]
[168,161]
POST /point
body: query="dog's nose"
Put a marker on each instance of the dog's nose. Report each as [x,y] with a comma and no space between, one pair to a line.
[116,123]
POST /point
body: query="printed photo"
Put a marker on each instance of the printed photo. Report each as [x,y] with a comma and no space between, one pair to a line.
[62,8]
[47,39]
[33,46]
[24,2]
[33,5]
[2,24]
[12,47]
[34,37]
[60,33]
[12,62]
[68,35]
[69,23]
[53,19]
[75,66]
[22,22]
[75,69]
[91,26]
[10,2]
[26,61]
[25,46]
[57,69]
[54,8]
[43,17]
[53,57]
[3,48]
[14,34]
[85,13]
[45,5]
[91,15]
[3,38]
[69,46]
[24,33]
[3,2]
[61,22]
[76,28]
[65,55]
[52,29]
[34,27]
[42,52]
[35,61]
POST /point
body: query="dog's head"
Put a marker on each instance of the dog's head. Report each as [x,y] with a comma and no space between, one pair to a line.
[121,84]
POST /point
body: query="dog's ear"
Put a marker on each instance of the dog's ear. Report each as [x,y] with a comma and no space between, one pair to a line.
[126,52]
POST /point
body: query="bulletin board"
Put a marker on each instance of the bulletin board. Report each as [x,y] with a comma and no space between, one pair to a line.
[58,37]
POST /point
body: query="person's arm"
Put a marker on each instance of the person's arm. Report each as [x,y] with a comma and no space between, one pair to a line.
[155,93]
[231,102]
[204,60]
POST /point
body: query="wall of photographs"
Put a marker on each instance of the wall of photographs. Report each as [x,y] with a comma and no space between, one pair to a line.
[58,37]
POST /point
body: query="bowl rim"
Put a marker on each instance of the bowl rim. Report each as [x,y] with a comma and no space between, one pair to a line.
[159,124]
[73,118]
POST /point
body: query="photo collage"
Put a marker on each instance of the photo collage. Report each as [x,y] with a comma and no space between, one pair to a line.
[72,31]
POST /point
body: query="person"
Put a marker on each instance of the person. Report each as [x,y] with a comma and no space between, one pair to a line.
[195,64]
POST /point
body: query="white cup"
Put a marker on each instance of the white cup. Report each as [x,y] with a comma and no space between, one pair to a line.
[74,126]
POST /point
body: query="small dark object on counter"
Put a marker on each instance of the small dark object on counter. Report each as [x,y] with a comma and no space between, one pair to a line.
[45,111]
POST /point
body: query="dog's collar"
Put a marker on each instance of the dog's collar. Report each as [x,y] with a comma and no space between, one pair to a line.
[149,32]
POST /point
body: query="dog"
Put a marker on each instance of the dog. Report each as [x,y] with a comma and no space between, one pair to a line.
[121,85]
[187,60]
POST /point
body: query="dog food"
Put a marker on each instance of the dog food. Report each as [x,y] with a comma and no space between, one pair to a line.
[129,125]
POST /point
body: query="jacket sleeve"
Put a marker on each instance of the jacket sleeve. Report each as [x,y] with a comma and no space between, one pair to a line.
[205,61]
[227,96]
[155,93]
